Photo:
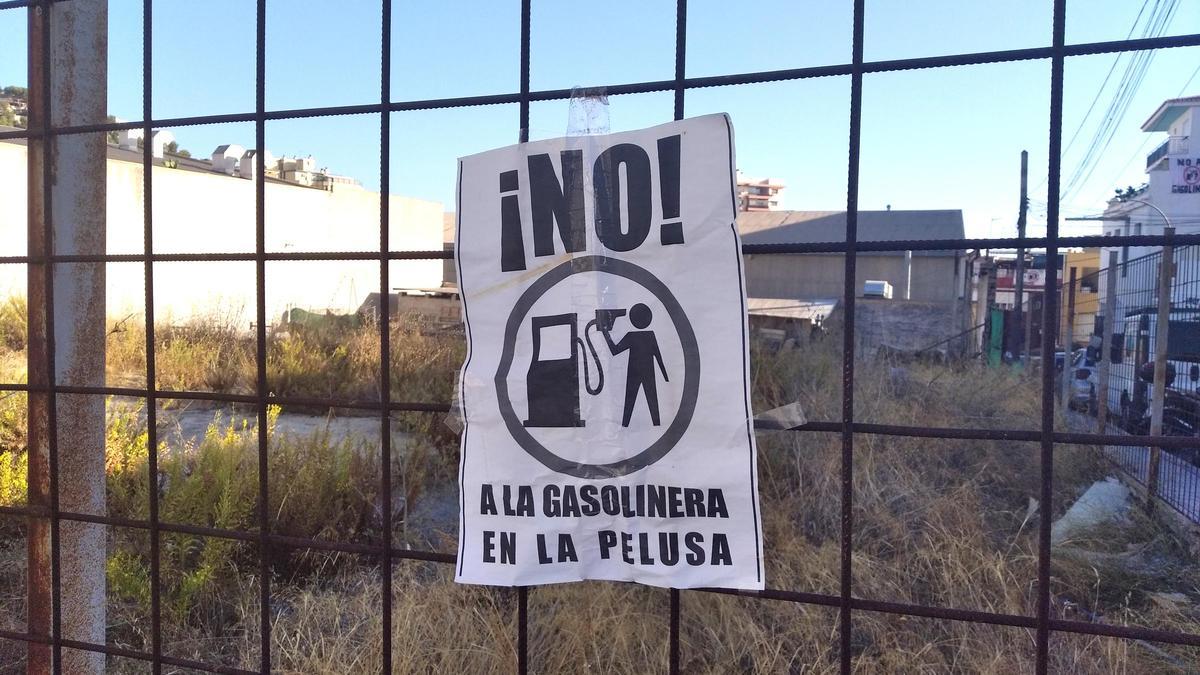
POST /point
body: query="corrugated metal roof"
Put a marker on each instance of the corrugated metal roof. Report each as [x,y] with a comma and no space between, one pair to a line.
[806,227]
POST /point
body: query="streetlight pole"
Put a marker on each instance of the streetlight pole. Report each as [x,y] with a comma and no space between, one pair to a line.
[1166,220]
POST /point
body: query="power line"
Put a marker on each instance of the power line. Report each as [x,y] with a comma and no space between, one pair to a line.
[1103,84]
[1146,140]
[1131,80]
[1100,90]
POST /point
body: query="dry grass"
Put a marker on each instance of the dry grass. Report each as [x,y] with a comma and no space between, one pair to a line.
[335,361]
[936,522]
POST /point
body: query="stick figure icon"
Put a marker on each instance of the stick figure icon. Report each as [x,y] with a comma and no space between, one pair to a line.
[644,355]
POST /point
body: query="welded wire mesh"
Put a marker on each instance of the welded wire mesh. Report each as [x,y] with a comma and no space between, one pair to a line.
[1131,360]
[1044,623]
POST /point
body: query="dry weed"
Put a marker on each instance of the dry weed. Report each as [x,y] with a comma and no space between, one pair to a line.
[936,522]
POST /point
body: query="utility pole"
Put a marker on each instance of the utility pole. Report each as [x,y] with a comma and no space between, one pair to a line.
[983,315]
[68,84]
[1023,344]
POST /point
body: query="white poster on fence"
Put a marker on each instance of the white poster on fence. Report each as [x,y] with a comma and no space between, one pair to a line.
[605,392]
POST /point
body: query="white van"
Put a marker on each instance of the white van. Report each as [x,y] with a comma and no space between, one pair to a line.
[1131,371]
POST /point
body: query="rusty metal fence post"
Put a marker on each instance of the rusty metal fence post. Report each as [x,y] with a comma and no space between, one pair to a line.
[67,194]
[1068,338]
[41,567]
[1166,272]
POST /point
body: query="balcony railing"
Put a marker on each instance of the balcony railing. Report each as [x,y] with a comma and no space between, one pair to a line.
[1175,145]
[1159,153]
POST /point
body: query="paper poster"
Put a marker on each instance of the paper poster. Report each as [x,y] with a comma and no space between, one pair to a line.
[605,394]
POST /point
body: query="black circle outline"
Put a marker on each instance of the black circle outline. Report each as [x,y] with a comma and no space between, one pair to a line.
[691,368]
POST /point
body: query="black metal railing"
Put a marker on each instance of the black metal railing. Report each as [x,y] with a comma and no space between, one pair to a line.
[1157,154]
[1172,478]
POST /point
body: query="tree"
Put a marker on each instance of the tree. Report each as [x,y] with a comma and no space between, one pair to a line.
[1128,193]
[8,118]
[113,136]
[174,149]
[8,114]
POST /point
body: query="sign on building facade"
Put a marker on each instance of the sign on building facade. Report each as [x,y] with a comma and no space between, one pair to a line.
[607,431]
[1185,175]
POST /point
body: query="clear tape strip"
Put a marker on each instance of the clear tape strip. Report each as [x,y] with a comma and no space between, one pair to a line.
[778,419]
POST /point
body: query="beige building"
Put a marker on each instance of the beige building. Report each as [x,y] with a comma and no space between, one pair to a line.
[936,276]
[1086,263]
[198,210]
[925,295]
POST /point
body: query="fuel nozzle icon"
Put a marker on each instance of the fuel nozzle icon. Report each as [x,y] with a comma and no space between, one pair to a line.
[552,383]
[606,319]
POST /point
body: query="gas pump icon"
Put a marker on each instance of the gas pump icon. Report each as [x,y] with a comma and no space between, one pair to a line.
[553,379]
[552,383]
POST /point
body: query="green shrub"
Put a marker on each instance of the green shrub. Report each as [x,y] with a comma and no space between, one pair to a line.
[14,461]
[14,468]
[128,578]
[319,487]
[324,487]
[13,323]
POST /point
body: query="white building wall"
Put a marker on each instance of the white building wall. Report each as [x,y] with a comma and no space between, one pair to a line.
[1182,209]
[227,161]
[197,212]
[159,141]
[128,138]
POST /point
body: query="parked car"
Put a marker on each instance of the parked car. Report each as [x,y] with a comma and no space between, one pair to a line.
[1059,357]
[1084,379]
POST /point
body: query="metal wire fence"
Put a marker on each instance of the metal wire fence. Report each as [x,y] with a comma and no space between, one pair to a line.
[42,385]
[1131,351]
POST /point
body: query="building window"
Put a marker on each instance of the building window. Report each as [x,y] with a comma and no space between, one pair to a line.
[1090,282]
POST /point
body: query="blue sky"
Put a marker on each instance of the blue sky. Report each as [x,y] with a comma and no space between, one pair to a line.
[941,138]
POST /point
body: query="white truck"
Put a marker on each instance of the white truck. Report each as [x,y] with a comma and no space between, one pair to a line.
[1131,371]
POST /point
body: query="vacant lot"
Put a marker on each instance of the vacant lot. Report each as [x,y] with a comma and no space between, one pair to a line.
[947,523]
